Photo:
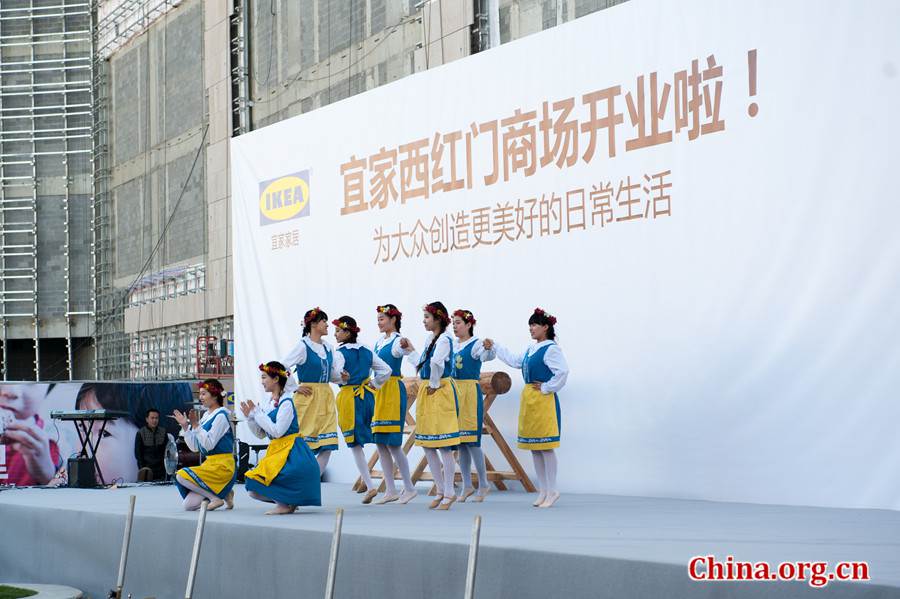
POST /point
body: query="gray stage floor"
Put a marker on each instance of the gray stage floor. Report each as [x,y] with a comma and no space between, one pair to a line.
[586,546]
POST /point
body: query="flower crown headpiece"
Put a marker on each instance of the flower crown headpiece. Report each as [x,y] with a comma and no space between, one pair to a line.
[541,312]
[437,313]
[345,326]
[388,311]
[213,388]
[272,371]
[312,315]
[466,316]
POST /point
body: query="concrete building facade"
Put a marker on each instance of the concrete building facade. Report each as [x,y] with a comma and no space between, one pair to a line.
[148,293]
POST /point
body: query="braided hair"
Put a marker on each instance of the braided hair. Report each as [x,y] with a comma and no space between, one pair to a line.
[439,312]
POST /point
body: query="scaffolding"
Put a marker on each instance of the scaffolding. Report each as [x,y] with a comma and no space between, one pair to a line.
[194,350]
[152,354]
[45,107]
[114,24]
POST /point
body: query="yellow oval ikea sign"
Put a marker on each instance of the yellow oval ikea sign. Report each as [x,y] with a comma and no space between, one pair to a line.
[284,198]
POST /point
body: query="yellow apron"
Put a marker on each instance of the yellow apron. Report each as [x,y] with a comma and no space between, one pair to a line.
[538,420]
[346,407]
[216,472]
[436,416]
[388,405]
[468,410]
[274,460]
[316,416]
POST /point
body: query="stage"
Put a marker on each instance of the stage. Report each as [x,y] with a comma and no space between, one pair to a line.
[586,546]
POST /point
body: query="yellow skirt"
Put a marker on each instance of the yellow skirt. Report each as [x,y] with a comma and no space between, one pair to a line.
[471,411]
[390,407]
[436,416]
[539,420]
[317,418]
[216,474]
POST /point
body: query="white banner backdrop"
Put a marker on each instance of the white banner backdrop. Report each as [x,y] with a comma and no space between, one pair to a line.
[722,252]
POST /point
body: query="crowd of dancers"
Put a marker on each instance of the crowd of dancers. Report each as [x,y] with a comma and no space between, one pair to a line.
[370,408]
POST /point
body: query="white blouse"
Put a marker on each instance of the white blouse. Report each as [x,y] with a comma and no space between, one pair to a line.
[442,350]
[262,426]
[553,358]
[199,437]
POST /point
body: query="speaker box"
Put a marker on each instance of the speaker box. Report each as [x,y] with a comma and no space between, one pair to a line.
[82,473]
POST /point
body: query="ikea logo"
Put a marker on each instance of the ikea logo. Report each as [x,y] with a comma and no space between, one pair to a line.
[284,198]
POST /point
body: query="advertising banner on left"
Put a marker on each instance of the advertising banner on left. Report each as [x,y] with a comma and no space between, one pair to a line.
[34,448]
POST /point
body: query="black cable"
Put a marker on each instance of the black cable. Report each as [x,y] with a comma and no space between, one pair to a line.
[152,252]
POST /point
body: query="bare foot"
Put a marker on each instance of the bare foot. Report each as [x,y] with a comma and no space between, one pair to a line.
[540,499]
[436,502]
[282,509]
[229,501]
[214,505]
[466,494]
[408,496]
[551,499]
[370,495]
[482,493]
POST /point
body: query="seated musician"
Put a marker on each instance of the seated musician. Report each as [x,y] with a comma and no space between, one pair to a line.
[150,448]
[32,458]
[116,452]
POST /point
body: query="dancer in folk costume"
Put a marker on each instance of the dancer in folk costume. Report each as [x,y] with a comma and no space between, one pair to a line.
[288,475]
[391,406]
[437,427]
[468,356]
[545,372]
[212,436]
[312,361]
[356,398]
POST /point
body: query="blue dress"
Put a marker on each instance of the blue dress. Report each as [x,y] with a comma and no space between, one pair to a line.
[356,398]
[391,401]
[218,472]
[289,472]
[467,375]
[316,413]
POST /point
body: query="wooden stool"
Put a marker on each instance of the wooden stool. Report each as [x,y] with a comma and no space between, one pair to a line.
[492,385]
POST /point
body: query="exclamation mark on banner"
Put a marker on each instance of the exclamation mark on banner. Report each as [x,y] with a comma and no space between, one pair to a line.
[753,109]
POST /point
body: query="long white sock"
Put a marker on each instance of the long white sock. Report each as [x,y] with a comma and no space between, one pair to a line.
[359,456]
[465,465]
[192,501]
[478,459]
[322,458]
[541,471]
[403,466]
[449,470]
[551,465]
[434,464]
[190,485]
[387,468]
